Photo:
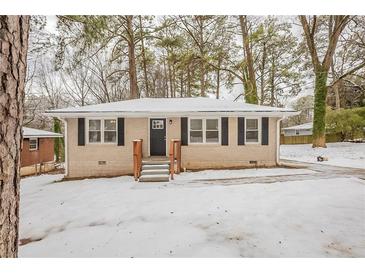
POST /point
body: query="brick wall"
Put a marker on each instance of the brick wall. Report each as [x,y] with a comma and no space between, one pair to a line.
[44,153]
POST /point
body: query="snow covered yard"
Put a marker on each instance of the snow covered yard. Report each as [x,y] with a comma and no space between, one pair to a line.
[116,217]
[339,154]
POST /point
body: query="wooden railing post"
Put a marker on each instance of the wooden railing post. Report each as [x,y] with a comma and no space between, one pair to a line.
[175,154]
[178,156]
[137,158]
[172,160]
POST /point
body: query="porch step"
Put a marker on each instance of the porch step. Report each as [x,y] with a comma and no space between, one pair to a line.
[155,172]
[155,162]
[154,178]
[154,166]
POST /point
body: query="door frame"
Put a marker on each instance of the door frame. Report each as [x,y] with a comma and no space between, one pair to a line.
[149,134]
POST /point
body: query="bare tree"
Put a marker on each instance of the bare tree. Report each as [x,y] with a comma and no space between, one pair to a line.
[14,32]
[321,68]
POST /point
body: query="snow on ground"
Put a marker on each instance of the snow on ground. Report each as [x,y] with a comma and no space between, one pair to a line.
[116,217]
[339,154]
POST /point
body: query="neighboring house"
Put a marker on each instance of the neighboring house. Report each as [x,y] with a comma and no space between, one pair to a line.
[37,152]
[299,130]
[213,133]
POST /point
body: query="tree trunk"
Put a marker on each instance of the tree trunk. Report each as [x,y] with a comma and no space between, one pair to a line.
[320,94]
[144,62]
[189,83]
[202,79]
[132,59]
[251,91]
[337,95]
[218,84]
[272,84]
[14,32]
[166,86]
[170,76]
[262,78]
[181,85]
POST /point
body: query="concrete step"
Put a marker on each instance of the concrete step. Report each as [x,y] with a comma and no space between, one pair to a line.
[149,167]
[154,178]
[155,162]
[155,172]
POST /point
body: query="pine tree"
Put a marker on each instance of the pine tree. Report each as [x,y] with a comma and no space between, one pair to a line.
[14,32]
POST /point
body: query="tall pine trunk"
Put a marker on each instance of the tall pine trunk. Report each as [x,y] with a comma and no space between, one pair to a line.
[251,88]
[14,32]
[132,59]
[320,93]
[144,61]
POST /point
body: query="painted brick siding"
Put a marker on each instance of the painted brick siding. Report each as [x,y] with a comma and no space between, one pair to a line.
[83,161]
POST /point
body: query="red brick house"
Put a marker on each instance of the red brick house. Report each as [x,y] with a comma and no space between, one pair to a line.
[37,152]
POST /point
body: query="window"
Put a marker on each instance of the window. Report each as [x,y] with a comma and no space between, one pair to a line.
[102,130]
[94,131]
[33,143]
[110,131]
[252,130]
[204,130]
[196,131]
[157,124]
[212,132]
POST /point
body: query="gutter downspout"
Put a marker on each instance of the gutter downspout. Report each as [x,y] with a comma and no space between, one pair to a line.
[66,146]
[278,140]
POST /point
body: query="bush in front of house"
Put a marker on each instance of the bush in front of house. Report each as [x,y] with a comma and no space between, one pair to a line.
[349,123]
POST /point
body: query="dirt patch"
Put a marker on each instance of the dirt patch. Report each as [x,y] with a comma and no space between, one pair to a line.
[339,248]
[25,241]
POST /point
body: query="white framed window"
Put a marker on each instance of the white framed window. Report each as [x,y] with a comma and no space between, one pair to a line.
[204,130]
[253,129]
[33,144]
[102,131]
[110,130]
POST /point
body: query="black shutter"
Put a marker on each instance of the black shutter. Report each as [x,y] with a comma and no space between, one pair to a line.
[265,131]
[224,124]
[120,131]
[241,130]
[81,131]
[184,131]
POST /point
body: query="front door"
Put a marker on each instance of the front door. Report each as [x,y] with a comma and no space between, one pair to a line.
[158,137]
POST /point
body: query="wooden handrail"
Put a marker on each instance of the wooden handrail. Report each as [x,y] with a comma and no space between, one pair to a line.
[175,154]
[137,158]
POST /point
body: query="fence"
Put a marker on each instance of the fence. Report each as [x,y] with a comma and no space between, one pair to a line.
[306,139]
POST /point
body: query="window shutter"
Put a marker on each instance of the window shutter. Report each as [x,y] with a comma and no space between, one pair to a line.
[224,125]
[120,131]
[81,131]
[265,131]
[184,131]
[241,130]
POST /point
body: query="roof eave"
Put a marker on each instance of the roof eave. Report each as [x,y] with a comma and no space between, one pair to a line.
[140,114]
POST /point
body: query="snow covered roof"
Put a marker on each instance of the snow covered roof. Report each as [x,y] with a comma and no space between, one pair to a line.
[37,133]
[170,107]
[302,126]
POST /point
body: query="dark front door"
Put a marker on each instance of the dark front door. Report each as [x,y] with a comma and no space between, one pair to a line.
[158,137]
